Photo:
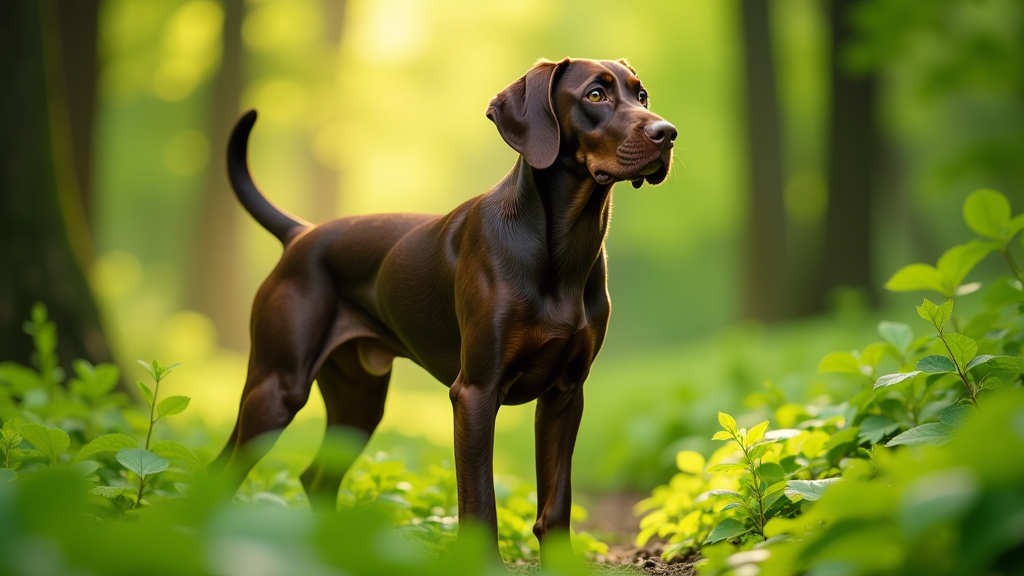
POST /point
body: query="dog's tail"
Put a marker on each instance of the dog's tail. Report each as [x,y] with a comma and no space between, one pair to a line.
[279,223]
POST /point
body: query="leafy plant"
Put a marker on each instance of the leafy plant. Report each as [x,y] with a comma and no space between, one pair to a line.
[764,482]
[913,391]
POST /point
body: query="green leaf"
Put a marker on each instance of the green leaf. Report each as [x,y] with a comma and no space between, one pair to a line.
[990,382]
[841,362]
[21,379]
[726,468]
[898,334]
[722,435]
[891,379]
[771,473]
[106,443]
[760,449]
[1003,292]
[85,467]
[687,461]
[935,364]
[727,422]
[51,442]
[957,262]
[919,277]
[1007,363]
[727,495]
[956,415]
[987,213]
[172,405]
[935,315]
[964,349]
[776,488]
[11,432]
[808,489]
[142,462]
[871,355]
[146,393]
[728,528]
[978,361]
[112,491]
[932,434]
[877,426]
[7,475]
[177,451]
[1015,225]
[94,382]
[842,437]
[756,433]
[149,368]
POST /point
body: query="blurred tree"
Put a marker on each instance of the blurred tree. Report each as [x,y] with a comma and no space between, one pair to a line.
[217,262]
[853,143]
[767,283]
[78,28]
[218,267]
[43,235]
[962,64]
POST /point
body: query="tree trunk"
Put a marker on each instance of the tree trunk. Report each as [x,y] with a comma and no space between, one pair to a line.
[218,272]
[853,143]
[79,22]
[43,237]
[766,263]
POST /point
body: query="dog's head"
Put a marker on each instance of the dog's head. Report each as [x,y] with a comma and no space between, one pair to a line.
[590,112]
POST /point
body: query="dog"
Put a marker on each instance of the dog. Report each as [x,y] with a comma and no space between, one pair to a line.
[504,299]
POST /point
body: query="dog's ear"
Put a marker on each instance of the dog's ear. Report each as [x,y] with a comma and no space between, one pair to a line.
[525,114]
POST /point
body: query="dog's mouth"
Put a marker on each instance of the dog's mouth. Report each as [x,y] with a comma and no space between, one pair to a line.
[653,173]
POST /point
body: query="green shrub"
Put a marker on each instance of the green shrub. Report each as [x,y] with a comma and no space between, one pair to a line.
[83,474]
[760,489]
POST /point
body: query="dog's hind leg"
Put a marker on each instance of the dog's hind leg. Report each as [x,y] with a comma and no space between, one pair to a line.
[354,392]
[289,328]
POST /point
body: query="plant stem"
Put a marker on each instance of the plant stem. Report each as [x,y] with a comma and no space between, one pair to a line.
[959,371]
[756,485]
[911,395]
[1013,264]
[142,486]
[152,410]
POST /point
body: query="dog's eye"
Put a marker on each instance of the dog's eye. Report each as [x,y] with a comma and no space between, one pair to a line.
[642,97]
[595,95]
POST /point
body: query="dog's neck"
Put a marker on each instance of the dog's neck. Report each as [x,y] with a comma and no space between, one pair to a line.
[562,214]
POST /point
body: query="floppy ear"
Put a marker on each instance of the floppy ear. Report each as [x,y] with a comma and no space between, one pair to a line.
[525,114]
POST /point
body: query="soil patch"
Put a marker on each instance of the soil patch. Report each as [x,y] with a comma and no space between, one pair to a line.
[612,520]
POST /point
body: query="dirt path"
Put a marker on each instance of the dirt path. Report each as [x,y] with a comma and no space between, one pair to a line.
[612,520]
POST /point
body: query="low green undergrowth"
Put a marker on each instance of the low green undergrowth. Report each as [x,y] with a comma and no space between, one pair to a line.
[82,461]
[759,491]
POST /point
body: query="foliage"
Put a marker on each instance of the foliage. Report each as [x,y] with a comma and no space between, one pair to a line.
[90,428]
[91,450]
[914,392]
[952,509]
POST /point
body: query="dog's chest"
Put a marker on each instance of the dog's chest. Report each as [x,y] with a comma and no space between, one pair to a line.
[551,349]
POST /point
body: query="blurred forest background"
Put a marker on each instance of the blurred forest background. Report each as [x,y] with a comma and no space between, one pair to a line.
[822,144]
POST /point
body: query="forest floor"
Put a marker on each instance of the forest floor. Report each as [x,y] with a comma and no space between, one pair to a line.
[612,520]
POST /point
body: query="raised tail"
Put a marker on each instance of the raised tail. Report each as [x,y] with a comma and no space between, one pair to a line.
[279,223]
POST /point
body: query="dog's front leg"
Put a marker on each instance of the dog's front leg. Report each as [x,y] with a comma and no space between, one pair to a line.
[557,421]
[476,406]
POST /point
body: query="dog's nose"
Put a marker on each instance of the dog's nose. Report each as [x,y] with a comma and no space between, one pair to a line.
[659,131]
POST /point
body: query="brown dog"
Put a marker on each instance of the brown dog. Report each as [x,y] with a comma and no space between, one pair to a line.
[503,299]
